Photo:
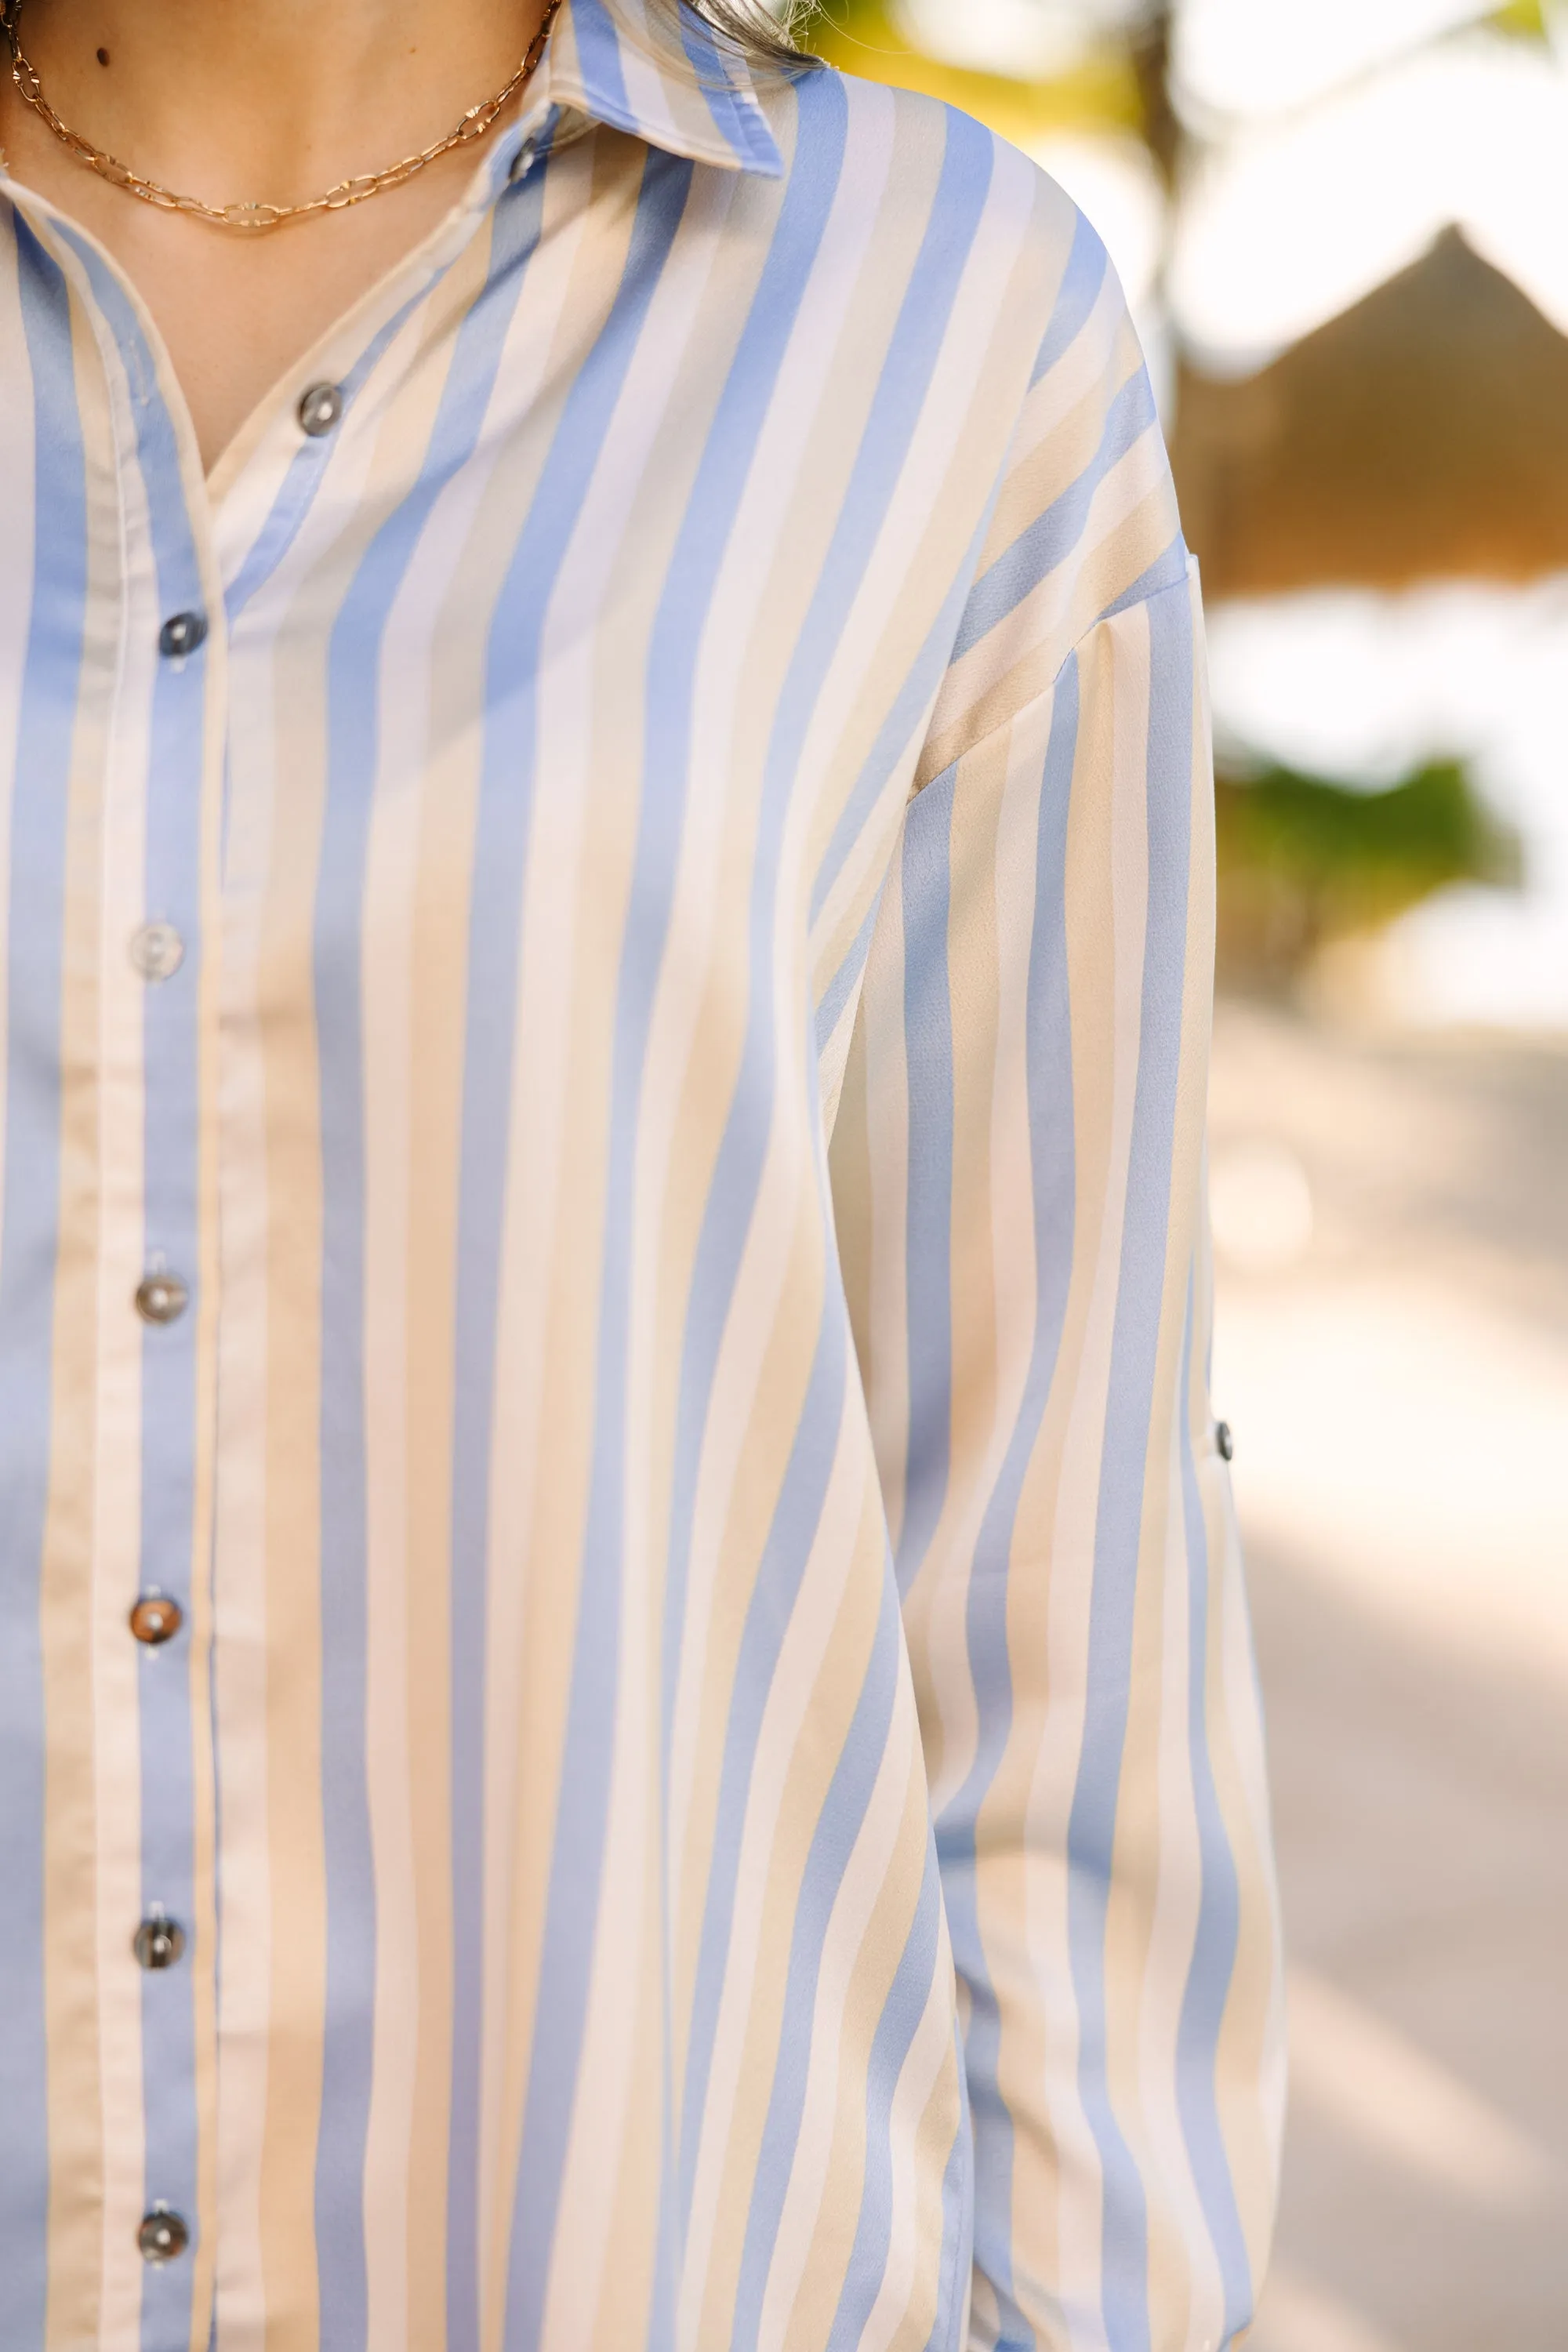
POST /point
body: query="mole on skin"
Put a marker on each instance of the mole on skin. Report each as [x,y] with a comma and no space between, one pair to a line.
[103,57]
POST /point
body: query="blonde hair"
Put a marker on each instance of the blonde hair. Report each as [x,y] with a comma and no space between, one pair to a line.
[765,32]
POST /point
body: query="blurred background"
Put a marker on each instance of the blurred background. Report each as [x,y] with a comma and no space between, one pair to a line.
[1344,228]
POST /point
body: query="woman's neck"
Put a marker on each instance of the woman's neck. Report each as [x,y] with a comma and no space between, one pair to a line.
[256,102]
[233,99]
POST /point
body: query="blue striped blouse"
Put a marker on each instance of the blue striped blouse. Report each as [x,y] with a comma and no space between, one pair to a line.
[615,1573]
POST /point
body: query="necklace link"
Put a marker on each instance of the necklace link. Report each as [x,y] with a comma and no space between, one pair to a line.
[254,219]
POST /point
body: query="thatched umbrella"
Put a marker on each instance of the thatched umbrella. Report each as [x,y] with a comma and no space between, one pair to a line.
[1422,434]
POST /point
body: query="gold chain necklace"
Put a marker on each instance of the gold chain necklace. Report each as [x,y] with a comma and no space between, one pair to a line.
[251,218]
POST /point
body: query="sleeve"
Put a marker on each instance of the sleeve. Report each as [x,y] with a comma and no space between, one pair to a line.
[1017,1165]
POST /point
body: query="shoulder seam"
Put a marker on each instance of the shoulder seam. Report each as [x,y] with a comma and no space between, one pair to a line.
[1130,603]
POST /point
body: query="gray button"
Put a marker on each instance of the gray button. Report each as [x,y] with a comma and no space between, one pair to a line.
[162,2236]
[1224,1439]
[161,1298]
[320,409]
[157,950]
[182,635]
[158,1942]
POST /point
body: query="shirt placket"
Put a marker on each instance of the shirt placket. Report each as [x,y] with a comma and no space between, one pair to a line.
[161,613]
[163,786]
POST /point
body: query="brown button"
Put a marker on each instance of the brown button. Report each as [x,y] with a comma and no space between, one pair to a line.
[162,2236]
[156,1618]
[158,1943]
[161,1298]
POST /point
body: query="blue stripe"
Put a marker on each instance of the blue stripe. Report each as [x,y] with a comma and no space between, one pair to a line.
[833,1841]
[172,1549]
[1219,1921]
[1091,1829]
[1169,570]
[168,1535]
[924,318]
[734,107]
[896,738]
[599,56]
[500,867]
[1048,1046]
[805,207]
[354,684]
[777,1589]
[739,119]
[924,880]
[966,169]
[896,2030]
[1088,265]
[836,996]
[514,231]
[958,2194]
[572,1900]
[46,721]
[1036,552]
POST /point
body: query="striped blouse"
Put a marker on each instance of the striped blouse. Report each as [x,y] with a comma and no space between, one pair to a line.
[626,1717]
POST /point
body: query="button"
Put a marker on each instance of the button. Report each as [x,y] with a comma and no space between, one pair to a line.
[156,1618]
[161,1298]
[158,1943]
[320,409]
[157,950]
[182,635]
[517,169]
[1224,1439]
[162,2236]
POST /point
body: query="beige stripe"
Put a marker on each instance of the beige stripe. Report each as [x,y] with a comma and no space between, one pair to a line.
[1100,961]
[949,471]
[1132,518]
[77,2155]
[1114,692]
[925,2111]
[602,2261]
[885,1335]
[393,1476]
[291,827]
[199,1567]
[291,1177]
[431,643]
[204,1515]
[815,2231]
[1133,1865]
[1019,1881]
[240,1595]
[922,2126]
[118,1665]
[819,1671]
[575,905]
[1183,2271]
[415,909]
[936,1605]
[1250,2060]
[550,1244]
[19,396]
[1062,421]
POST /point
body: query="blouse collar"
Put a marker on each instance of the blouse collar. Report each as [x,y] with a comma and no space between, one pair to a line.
[678,86]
